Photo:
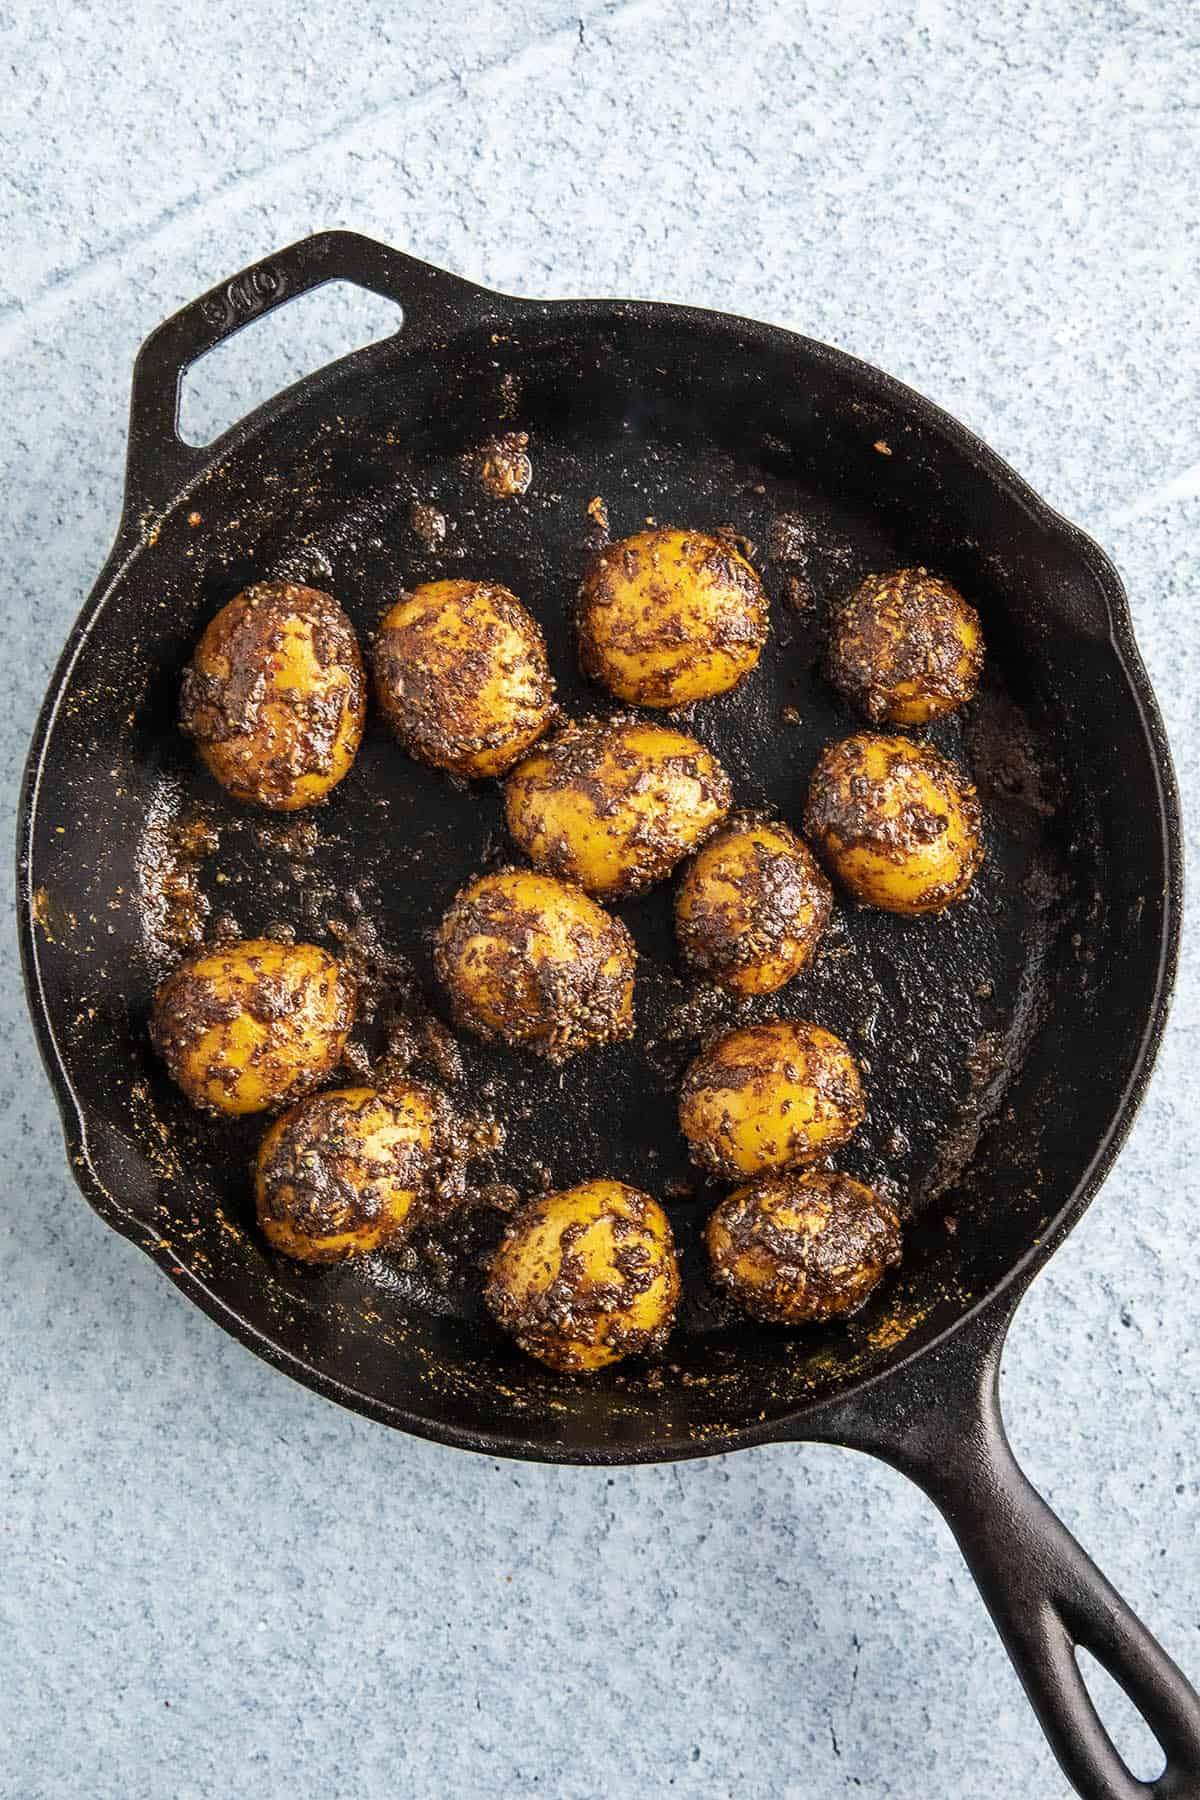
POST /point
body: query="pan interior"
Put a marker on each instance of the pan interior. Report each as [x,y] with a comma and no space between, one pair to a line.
[996,1041]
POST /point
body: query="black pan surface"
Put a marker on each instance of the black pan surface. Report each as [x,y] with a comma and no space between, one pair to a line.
[1000,1042]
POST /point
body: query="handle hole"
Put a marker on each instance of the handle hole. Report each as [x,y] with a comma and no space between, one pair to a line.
[1136,1743]
[272,352]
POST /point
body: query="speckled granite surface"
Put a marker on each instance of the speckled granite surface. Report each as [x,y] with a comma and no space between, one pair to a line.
[214,1583]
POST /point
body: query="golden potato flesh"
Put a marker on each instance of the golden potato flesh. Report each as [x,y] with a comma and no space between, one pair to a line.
[275,696]
[905,647]
[534,961]
[796,1248]
[615,804]
[669,616]
[751,907]
[895,822]
[769,1097]
[342,1173]
[462,676]
[249,1025]
[586,1277]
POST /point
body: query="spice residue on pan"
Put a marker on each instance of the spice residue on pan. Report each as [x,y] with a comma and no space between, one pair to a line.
[505,468]
[429,525]
[174,907]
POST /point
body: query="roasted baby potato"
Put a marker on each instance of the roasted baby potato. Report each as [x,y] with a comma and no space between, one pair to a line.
[275,696]
[462,676]
[669,616]
[751,907]
[895,822]
[795,1248]
[344,1172]
[245,1026]
[585,1277]
[905,647]
[534,961]
[769,1097]
[614,804]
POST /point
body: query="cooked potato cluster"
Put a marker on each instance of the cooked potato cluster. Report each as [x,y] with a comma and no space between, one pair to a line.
[534,961]
[343,1173]
[586,1277]
[604,809]
[895,822]
[462,676]
[751,907]
[905,647]
[797,1248]
[615,804]
[668,616]
[275,696]
[769,1097]
[250,1025]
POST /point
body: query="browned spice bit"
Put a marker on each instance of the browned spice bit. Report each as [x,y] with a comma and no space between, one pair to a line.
[790,715]
[736,540]
[504,465]
[439,1047]
[598,513]
[429,525]
[174,907]
[789,536]
[194,519]
[951,1223]
[883,447]
[799,595]
[510,394]
[297,838]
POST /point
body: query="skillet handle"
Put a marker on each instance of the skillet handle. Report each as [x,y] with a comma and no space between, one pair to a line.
[159,461]
[1046,1596]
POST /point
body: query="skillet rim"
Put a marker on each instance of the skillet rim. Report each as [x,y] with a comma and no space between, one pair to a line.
[805,1420]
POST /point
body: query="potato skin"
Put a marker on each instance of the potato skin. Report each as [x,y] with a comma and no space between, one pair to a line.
[895,822]
[794,1249]
[462,677]
[344,1172]
[770,1096]
[254,1024]
[535,961]
[905,647]
[751,907]
[670,616]
[275,696]
[586,1276]
[615,804]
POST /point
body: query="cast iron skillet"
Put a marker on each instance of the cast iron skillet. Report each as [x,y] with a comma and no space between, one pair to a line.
[1006,1045]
